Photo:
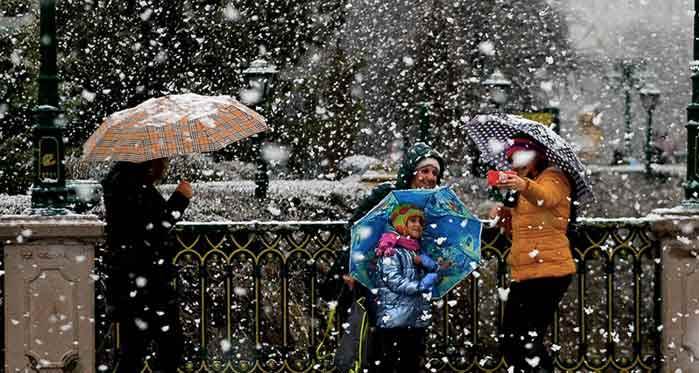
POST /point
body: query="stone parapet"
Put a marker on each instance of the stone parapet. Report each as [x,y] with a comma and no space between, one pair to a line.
[49,292]
[678,233]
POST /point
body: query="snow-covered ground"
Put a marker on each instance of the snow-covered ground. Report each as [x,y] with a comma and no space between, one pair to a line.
[235,201]
[621,191]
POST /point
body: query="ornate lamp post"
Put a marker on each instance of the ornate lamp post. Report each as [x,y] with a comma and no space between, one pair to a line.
[650,96]
[626,74]
[497,90]
[260,77]
[49,189]
[553,103]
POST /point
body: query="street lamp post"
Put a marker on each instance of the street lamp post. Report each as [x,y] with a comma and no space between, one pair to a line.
[497,90]
[260,78]
[691,185]
[425,121]
[555,112]
[650,95]
[49,183]
[553,95]
[627,75]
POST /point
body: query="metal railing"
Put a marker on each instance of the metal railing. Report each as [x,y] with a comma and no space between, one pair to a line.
[249,300]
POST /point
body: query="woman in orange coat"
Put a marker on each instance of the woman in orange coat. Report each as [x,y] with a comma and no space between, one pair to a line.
[540,258]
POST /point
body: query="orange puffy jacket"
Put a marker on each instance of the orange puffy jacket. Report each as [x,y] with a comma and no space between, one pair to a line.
[540,247]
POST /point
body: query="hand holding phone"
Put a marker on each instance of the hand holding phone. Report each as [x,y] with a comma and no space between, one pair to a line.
[495,177]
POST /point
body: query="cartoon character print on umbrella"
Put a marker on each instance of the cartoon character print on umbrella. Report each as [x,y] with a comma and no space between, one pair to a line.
[445,241]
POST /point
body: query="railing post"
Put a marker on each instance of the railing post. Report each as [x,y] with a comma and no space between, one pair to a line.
[49,293]
[678,232]
[679,245]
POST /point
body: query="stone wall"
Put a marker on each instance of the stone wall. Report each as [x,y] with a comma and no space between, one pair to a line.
[49,293]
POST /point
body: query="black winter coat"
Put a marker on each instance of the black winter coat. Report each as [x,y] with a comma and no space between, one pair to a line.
[139,221]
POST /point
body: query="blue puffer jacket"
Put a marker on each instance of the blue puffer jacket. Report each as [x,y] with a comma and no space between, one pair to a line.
[398,301]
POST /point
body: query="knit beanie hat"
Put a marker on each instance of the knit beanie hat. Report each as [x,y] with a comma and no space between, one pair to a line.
[519,144]
[400,216]
[429,161]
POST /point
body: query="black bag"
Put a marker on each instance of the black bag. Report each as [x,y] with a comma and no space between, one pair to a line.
[353,346]
[352,350]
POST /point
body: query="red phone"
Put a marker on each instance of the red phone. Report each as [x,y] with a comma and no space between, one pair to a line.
[495,176]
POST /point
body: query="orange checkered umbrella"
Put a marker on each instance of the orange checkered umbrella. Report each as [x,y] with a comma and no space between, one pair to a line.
[172,125]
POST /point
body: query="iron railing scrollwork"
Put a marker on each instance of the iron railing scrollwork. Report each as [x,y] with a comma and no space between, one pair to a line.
[249,300]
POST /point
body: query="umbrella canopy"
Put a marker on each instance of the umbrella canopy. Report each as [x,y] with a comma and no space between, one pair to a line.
[172,125]
[492,134]
[451,233]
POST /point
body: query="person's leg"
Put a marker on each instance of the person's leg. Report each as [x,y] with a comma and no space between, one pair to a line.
[384,351]
[133,342]
[514,327]
[412,350]
[163,314]
[128,313]
[545,299]
[168,338]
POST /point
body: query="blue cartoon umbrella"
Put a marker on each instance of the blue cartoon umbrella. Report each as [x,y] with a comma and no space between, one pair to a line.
[452,234]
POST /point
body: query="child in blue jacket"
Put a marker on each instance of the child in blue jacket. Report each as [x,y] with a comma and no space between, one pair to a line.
[401,301]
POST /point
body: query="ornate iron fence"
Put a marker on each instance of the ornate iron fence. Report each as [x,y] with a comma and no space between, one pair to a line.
[249,301]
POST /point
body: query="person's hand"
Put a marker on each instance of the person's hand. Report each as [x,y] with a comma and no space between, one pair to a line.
[349,281]
[444,264]
[513,182]
[425,261]
[428,282]
[495,211]
[185,189]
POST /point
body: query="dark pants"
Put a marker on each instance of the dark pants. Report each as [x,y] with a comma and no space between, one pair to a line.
[149,326]
[398,349]
[529,312]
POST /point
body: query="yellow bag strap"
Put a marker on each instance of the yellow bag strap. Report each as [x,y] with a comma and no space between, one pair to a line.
[331,321]
[364,329]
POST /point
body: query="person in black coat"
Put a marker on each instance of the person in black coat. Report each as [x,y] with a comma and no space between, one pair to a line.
[140,272]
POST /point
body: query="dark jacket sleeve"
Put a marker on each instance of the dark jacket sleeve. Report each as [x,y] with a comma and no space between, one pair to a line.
[162,215]
[139,215]
[373,199]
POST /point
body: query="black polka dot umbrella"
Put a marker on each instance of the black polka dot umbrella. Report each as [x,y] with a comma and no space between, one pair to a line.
[492,134]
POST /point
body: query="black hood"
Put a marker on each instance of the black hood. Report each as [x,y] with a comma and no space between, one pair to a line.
[415,154]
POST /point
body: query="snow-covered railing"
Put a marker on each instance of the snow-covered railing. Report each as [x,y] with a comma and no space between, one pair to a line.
[249,295]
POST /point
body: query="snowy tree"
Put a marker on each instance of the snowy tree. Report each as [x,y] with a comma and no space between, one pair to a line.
[353,72]
[18,85]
